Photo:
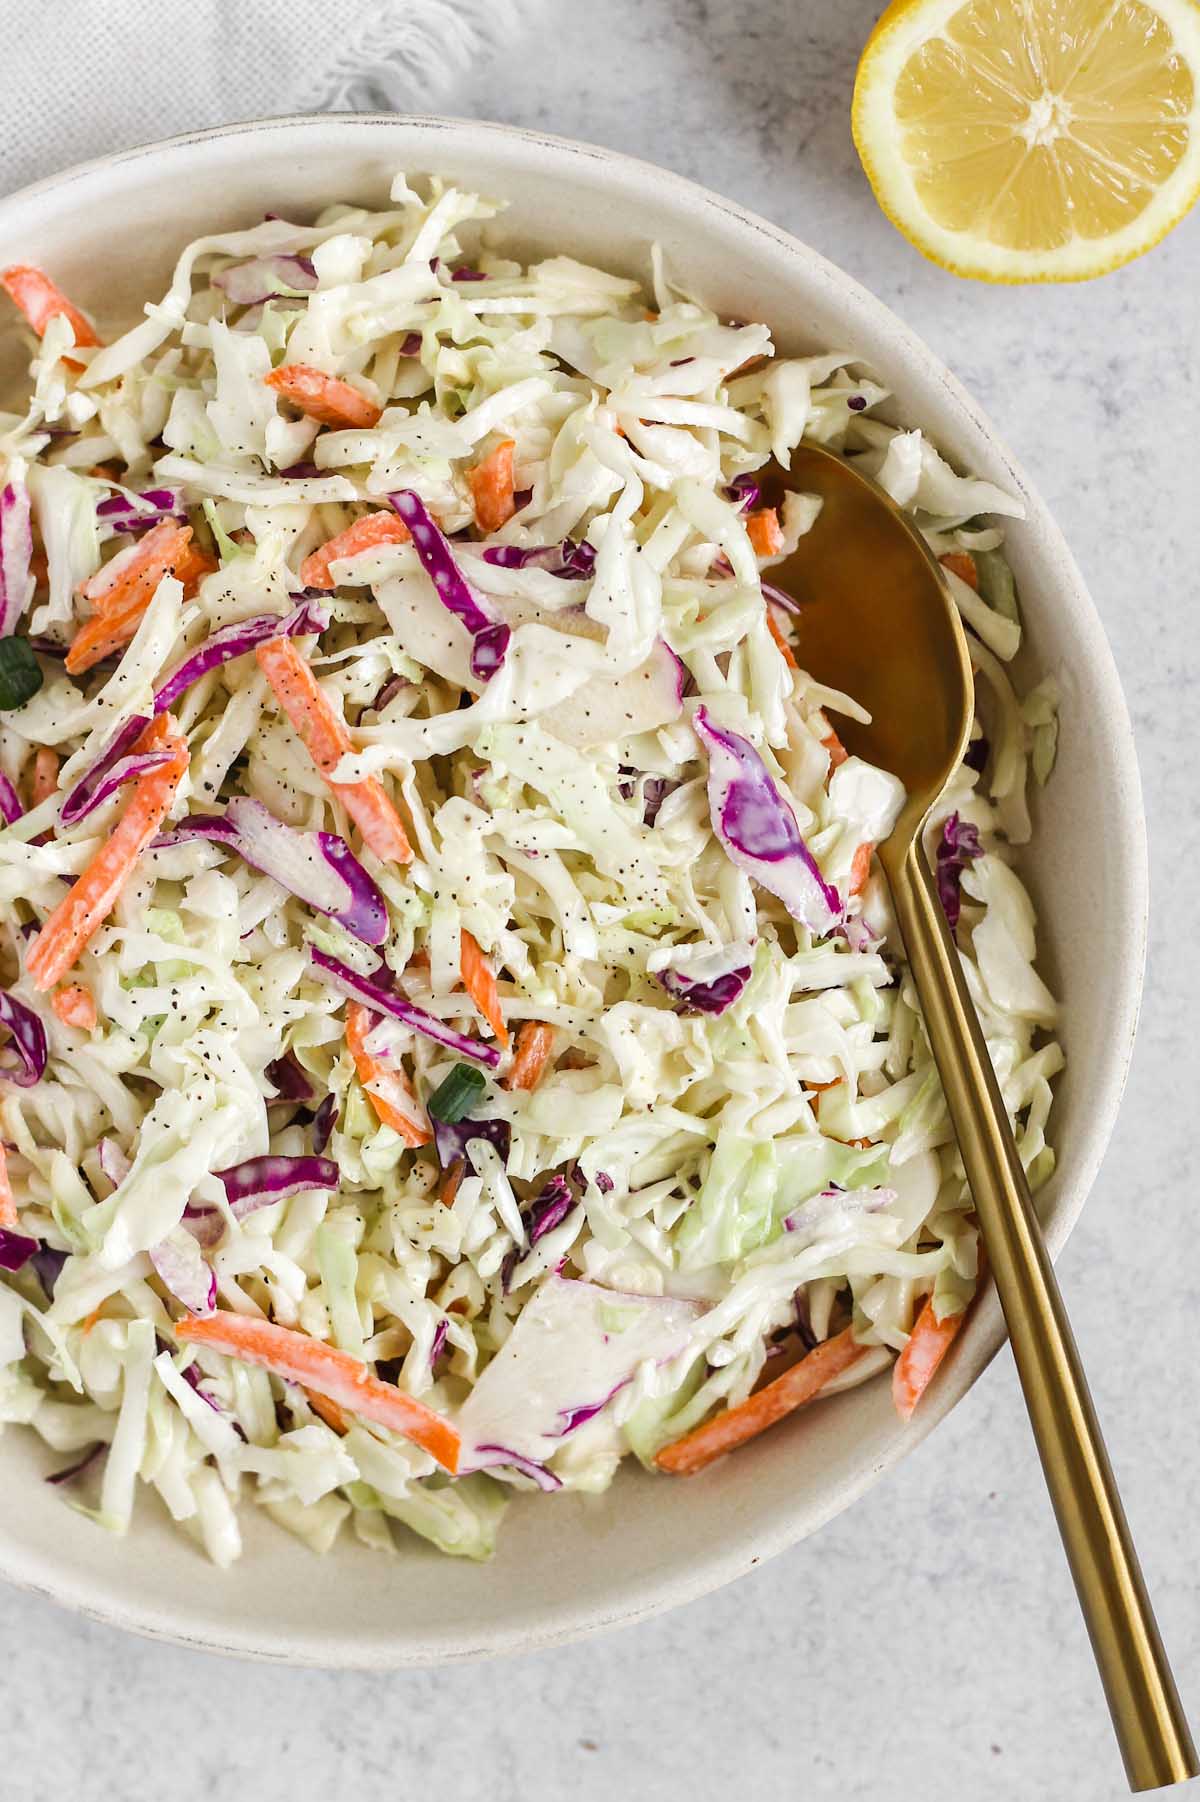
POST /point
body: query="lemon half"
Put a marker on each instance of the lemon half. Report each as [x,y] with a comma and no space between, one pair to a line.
[1032,140]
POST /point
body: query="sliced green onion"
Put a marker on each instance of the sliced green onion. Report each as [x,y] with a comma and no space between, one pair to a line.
[20,673]
[453,1099]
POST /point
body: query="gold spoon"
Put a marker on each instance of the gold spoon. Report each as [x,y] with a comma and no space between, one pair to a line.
[878,621]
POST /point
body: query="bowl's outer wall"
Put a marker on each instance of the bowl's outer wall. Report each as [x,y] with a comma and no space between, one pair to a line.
[109,232]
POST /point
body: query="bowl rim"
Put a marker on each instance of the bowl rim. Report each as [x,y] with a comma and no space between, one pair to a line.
[1129,852]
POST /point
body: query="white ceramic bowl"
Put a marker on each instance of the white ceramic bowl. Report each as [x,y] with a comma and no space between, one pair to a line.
[567,1566]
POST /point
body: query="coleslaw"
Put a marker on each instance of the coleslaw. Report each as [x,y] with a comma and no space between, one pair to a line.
[454,1032]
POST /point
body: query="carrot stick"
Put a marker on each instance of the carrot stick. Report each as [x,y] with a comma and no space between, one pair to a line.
[75,1006]
[191,569]
[928,1344]
[363,535]
[121,598]
[450,1181]
[962,564]
[326,738]
[94,892]
[329,1411]
[535,1042]
[41,301]
[765,532]
[777,633]
[297,1358]
[762,1409]
[45,775]
[480,984]
[324,397]
[491,483]
[860,868]
[386,1086]
[8,1201]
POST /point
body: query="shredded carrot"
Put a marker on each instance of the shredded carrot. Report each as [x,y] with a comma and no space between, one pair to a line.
[928,1344]
[94,892]
[90,1320]
[39,566]
[192,568]
[386,1085]
[45,775]
[860,868]
[8,1201]
[372,529]
[535,1043]
[41,301]
[324,397]
[765,532]
[480,984]
[491,483]
[75,1006]
[777,633]
[297,1358]
[121,598]
[762,1409]
[818,1089]
[450,1181]
[327,740]
[961,564]
[328,1410]
[837,750]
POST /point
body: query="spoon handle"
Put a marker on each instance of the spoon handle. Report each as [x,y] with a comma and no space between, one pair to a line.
[1146,1712]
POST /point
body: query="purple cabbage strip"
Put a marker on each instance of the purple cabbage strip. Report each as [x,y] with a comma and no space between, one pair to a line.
[117,764]
[758,829]
[183,1271]
[959,846]
[388,692]
[291,1081]
[81,1464]
[16,553]
[529,1467]
[122,515]
[439,1339]
[745,490]
[27,1037]
[705,997]
[15,1249]
[323,1123]
[490,636]
[780,599]
[576,561]
[451,1138]
[386,1001]
[976,754]
[549,1209]
[285,854]
[48,1263]
[604,1182]
[10,801]
[411,345]
[258,1182]
[266,278]
[300,472]
[234,641]
[468,275]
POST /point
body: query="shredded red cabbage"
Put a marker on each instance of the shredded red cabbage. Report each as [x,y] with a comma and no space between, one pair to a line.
[184,1272]
[27,1037]
[80,1465]
[48,1263]
[959,846]
[233,641]
[529,1467]
[323,1123]
[745,491]
[439,1339]
[10,801]
[291,1081]
[15,1249]
[700,995]
[758,828]
[259,1182]
[122,515]
[116,765]
[451,1138]
[776,597]
[549,1209]
[568,559]
[386,1001]
[317,867]
[266,278]
[490,636]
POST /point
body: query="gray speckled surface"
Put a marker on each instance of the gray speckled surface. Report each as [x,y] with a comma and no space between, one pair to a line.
[927,1643]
